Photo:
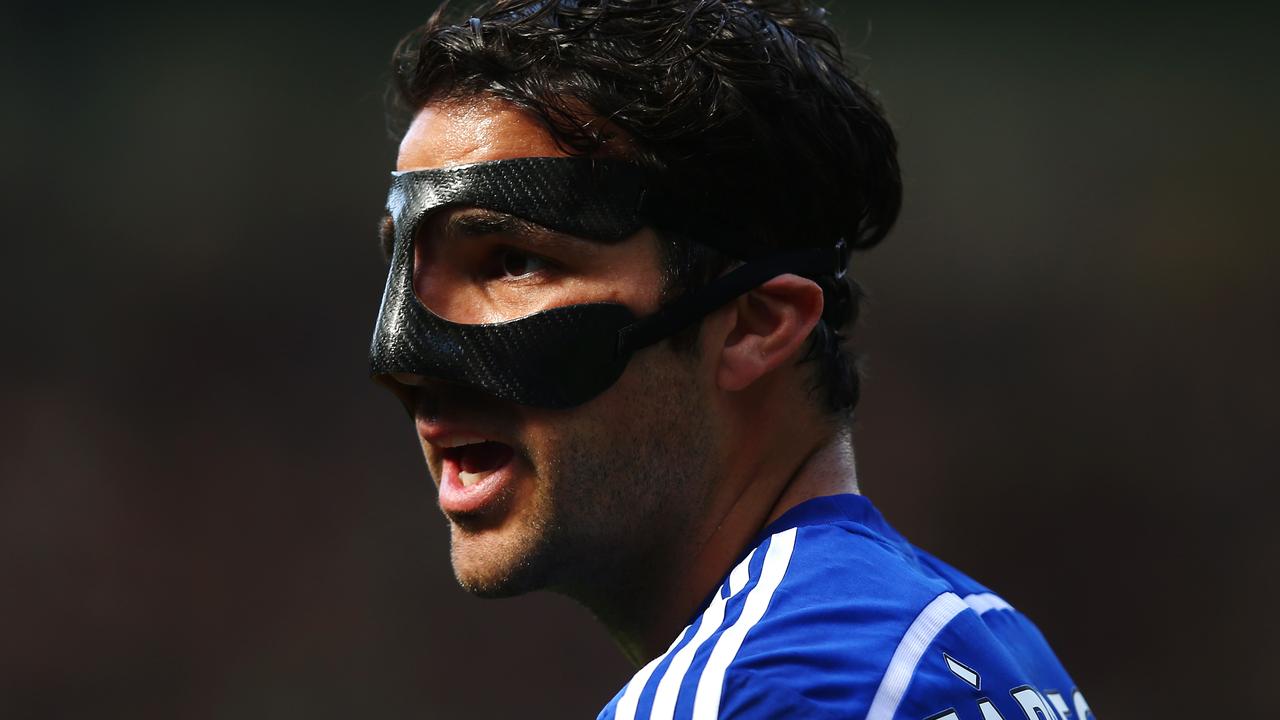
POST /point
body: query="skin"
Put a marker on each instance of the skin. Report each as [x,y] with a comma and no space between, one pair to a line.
[637,502]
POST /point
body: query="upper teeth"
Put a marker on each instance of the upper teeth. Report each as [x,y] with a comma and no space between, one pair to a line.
[459,441]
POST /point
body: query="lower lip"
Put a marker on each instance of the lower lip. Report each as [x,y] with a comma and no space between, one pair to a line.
[483,496]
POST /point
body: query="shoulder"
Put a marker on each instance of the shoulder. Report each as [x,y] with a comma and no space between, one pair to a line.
[804,624]
[830,620]
[849,621]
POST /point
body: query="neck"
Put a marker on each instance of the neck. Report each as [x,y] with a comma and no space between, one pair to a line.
[645,614]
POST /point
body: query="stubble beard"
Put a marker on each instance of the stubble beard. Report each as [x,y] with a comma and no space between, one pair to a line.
[613,496]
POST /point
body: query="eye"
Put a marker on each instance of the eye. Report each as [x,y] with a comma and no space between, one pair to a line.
[513,263]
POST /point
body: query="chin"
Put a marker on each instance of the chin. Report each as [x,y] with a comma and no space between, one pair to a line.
[497,562]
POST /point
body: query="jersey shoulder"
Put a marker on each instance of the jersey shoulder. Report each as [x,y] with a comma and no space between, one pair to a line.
[827,619]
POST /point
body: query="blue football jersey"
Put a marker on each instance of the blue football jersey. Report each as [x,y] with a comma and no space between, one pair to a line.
[832,614]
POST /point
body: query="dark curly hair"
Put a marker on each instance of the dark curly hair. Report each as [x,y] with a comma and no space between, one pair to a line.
[743,104]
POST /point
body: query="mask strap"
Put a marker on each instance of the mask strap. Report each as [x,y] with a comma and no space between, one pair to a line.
[691,307]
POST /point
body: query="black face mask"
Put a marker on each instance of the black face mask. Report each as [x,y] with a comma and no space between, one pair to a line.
[567,355]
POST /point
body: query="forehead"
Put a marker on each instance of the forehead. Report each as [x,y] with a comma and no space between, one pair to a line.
[471,130]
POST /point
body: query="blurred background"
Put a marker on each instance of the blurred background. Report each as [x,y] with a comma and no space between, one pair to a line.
[207,511]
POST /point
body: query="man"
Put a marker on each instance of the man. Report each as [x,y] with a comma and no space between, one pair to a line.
[616,306]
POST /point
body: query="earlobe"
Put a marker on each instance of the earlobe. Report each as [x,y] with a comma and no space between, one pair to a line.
[770,327]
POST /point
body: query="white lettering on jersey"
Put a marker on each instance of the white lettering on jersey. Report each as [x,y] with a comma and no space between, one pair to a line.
[989,711]
[1055,697]
[1082,707]
[1033,705]
[964,672]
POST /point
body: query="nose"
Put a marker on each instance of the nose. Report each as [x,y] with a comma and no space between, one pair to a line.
[407,389]
[408,378]
[428,397]
[419,394]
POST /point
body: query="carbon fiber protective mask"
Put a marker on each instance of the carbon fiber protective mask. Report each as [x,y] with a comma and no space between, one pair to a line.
[566,355]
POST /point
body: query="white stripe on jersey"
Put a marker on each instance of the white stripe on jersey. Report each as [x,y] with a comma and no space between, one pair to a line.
[630,700]
[918,638]
[664,703]
[983,603]
[741,574]
[706,703]
[626,708]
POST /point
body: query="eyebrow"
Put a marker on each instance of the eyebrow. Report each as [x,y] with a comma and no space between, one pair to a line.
[478,222]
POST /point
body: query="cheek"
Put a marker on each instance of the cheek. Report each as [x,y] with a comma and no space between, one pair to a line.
[515,301]
[656,392]
[661,394]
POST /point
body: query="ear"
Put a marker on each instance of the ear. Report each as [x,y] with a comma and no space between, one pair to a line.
[771,324]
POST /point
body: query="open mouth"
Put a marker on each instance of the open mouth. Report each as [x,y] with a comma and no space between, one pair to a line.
[476,458]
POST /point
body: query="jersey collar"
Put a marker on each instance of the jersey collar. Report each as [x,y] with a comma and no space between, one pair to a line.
[833,509]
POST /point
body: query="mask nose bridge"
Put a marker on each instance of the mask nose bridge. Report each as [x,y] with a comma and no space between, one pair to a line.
[556,358]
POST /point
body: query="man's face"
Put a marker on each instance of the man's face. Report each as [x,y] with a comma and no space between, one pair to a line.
[570,498]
